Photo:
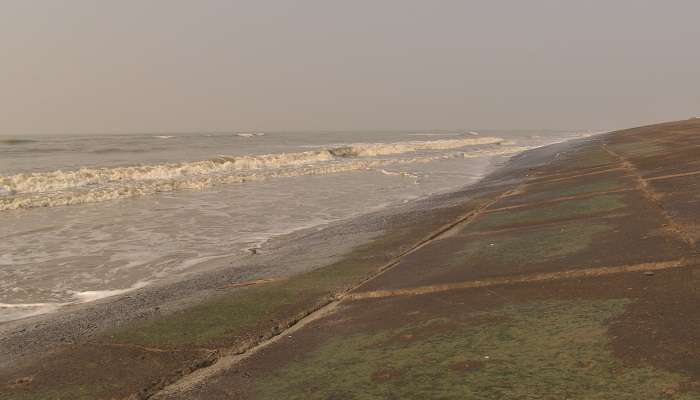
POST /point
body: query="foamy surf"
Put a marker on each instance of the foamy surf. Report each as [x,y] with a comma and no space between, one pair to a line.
[382,149]
[92,295]
[11,312]
[250,135]
[92,185]
[401,173]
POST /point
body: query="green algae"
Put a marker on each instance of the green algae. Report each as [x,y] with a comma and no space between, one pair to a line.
[591,157]
[562,210]
[530,247]
[224,318]
[243,312]
[92,371]
[543,350]
[553,190]
[78,392]
[638,149]
[231,316]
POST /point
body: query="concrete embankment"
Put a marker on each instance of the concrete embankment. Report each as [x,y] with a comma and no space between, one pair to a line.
[571,273]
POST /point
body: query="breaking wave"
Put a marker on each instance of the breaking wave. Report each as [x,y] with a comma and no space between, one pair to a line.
[250,135]
[383,149]
[9,312]
[91,185]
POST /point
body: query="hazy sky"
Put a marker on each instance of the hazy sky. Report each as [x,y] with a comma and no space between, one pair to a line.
[152,66]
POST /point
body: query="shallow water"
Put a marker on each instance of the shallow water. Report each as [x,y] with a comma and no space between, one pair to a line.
[88,217]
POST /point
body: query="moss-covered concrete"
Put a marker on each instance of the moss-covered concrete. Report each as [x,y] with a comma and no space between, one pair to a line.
[492,355]
[639,148]
[100,371]
[548,191]
[531,247]
[576,208]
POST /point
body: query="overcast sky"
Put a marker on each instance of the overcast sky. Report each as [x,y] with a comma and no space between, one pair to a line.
[76,66]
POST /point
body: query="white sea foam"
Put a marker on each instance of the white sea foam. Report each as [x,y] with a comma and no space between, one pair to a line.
[92,295]
[91,185]
[434,134]
[393,173]
[91,177]
[382,149]
[250,135]
[10,312]
[163,137]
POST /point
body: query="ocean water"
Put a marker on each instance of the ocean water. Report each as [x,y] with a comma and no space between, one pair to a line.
[86,217]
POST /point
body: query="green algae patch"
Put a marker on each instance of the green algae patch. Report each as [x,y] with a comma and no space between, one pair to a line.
[591,157]
[83,392]
[553,190]
[531,246]
[245,313]
[575,208]
[91,371]
[638,149]
[224,318]
[544,350]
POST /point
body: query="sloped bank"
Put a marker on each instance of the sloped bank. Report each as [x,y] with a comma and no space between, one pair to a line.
[577,281]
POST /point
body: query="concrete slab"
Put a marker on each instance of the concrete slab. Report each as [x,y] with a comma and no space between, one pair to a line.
[595,338]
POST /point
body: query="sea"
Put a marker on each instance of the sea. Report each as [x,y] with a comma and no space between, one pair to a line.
[83,217]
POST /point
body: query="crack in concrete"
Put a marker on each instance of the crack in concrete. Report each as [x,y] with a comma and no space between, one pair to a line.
[671,176]
[142,348]
[552,276]
[538,225]
[154,349]
[558,199]
[654,198]
[544,178]
[222,364]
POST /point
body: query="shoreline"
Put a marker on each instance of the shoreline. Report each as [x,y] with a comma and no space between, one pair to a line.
[21,340]
[274,241]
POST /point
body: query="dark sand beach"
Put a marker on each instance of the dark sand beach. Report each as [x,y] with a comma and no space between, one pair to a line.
[571,272]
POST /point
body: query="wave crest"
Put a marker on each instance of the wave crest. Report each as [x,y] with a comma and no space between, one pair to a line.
[91,185]
[384,149]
